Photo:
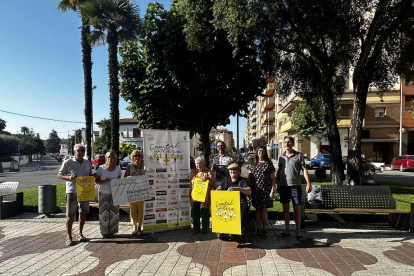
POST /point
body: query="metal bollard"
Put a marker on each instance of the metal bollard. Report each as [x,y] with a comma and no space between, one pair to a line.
[47,199]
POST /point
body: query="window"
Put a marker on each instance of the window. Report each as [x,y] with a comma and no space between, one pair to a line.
[380,112]
[136,132]
[365,133]
[409,82]
[408,102]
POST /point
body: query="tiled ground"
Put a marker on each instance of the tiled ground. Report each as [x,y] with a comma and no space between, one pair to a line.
[34,245]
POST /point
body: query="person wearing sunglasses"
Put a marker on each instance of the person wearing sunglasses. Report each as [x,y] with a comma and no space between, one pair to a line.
[136,167]
[70,170]
[221,162]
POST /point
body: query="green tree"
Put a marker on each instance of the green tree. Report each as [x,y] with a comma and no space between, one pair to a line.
[105,125]
[8,145]
[170,86]
[259,142]
[2,125]
[24,130]
[73,5]
[53,142]
[127,149]
[100,145]
[309,121]
[114,21]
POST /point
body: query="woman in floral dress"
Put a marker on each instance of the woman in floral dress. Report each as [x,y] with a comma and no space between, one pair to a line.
[262,182]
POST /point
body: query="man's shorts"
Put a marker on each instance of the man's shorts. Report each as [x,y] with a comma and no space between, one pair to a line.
[293,193]
[72,203]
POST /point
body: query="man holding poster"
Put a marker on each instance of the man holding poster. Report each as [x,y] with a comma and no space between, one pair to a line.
[70,170]
[202,181]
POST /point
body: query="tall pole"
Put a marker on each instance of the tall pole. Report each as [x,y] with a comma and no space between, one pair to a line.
[237,150]
[401,99]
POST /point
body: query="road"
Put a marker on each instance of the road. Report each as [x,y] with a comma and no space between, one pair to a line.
[48,176]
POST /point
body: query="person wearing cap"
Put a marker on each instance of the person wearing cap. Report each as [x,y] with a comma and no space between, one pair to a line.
[234,182]
[70,170]
[201,207]
[220,163]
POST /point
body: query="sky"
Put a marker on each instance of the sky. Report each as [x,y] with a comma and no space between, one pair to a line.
[41,73]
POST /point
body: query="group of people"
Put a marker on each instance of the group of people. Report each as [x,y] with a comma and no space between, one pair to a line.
[108,212]
[261,185]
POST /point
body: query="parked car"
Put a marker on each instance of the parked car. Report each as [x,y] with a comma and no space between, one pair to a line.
[307,162]
[66,157]
[98,161]
[403,162]
[125,162]
[345,160]
[321,161]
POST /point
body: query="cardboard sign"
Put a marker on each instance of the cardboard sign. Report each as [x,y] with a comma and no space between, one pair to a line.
[225,212]
[199,190]
[86,188]
[130,189]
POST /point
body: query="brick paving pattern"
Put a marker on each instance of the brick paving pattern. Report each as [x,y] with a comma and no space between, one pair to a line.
[33,244]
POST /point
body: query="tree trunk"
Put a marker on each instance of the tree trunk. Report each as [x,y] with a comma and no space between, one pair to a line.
[205,138]
[87,75]
[336,166]
[354,172]
[112,40]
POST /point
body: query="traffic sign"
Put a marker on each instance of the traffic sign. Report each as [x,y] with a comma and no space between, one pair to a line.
[269,146]
[275,146]
[213,146]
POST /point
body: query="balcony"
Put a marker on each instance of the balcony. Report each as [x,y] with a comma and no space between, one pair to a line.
[269,102]
[253,104]
[253,131]
[253,110]
[269,129]
[252,118]
[287,127]
[346,123]
[270,89]
[269,116]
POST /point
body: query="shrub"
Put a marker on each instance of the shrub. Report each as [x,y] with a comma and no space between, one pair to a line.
[368,171]
[320,173]
[239,159]
[251,159]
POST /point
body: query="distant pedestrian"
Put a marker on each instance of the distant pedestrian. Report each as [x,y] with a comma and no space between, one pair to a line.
[221,162]
[108,212]
[136,167]
[289,184]
[204,174]
[262,182]
[70,170]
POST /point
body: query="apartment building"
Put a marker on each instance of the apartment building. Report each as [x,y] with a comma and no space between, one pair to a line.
[380,135]
[407,119]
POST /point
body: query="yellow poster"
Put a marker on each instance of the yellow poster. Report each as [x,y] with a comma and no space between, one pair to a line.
[225,212]
[86,188]
[199,190]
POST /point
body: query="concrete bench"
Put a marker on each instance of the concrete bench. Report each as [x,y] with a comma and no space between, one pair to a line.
[361,199]
[11,202]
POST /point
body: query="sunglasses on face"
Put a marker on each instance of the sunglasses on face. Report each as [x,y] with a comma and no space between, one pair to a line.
[138,155]
[220,146]
[81,150]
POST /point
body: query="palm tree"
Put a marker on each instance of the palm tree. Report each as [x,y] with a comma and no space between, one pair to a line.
[114,21]
[25,130]
[73,5]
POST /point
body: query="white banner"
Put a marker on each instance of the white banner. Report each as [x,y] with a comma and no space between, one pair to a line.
[167,161]
[130,189]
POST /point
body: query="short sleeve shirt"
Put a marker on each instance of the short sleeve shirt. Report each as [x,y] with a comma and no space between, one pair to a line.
[104,174]
[290,169]
[72,166]
[225,160]
[227,183]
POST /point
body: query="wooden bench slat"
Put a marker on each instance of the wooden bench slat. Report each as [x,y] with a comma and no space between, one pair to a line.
[359,210]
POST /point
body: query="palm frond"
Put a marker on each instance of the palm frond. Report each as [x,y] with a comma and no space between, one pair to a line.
[66,5]
[97,38]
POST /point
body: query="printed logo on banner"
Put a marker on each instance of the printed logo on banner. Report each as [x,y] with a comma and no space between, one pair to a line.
[149,222]
[151,216]
[161,170]
[173,198]
[162,198]
[161,203]
[172,170]
[149,205]
[160,182]
[151,182]
[173,220]
[172,214]
[184,175]
[149,210]
[172,175]
[151,176]
[149,137]
[152,194]
[185,213]
[173,203]
[161,187]
[184,205]
[172,208]
[173,181]
[161,210]
[184,186]
[160,176]
[158,221]
[162,215]
[173,186]
[184,180]
[161,193]
[150,170]
[173,192]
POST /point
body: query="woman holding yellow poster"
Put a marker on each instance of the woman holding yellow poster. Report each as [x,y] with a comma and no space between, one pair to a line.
[196,188]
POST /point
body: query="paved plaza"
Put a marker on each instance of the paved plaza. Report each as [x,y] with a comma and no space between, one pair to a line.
[32,244]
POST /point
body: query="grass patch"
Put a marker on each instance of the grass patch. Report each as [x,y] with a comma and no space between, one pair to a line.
[31,196]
